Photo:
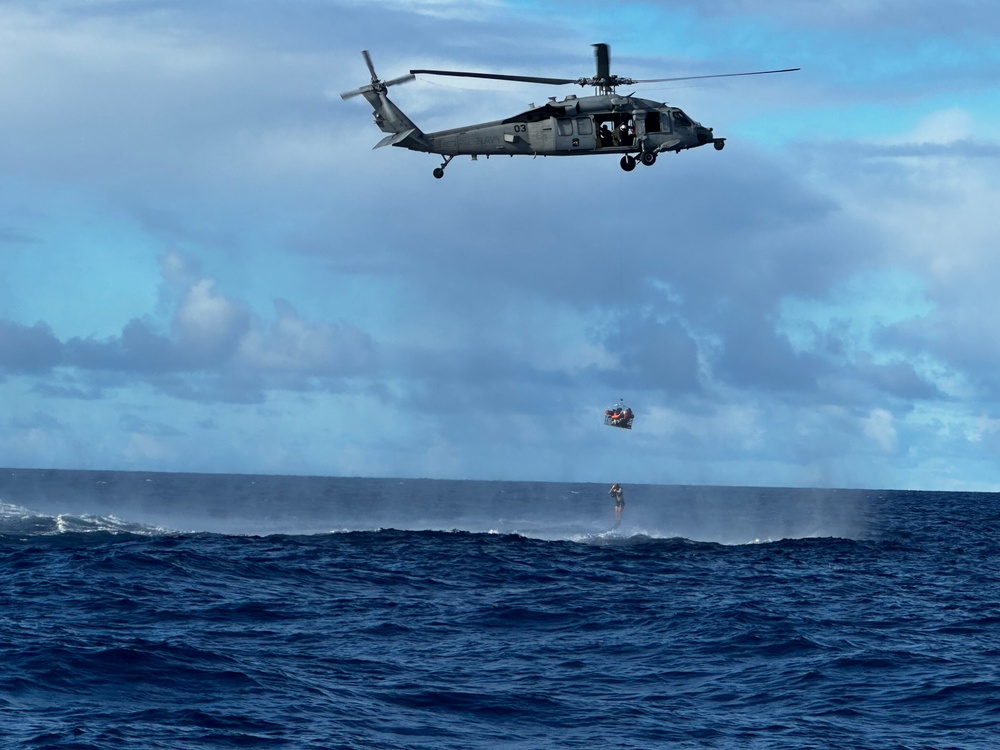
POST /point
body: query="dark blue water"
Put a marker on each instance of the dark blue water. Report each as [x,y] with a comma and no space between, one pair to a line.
[187,611]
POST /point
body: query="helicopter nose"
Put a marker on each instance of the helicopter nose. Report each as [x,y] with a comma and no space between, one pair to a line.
[704,135]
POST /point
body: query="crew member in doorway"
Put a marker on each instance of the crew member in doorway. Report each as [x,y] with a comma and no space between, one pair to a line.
[605,137]
[623,134]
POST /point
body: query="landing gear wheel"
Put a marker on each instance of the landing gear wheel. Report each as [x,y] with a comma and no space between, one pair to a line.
[648,158]
[719,145]
[628,162]
[439,171]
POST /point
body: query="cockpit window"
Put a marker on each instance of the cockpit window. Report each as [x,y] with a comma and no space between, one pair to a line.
[681,118]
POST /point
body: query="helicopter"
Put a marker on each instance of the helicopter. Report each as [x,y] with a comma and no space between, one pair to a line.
[637,129]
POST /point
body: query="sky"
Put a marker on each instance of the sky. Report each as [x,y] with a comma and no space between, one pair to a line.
[205,266]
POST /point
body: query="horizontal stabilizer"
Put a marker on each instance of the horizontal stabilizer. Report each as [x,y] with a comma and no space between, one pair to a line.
[395,138]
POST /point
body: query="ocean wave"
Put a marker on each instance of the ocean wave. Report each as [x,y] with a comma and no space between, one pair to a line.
[19,523]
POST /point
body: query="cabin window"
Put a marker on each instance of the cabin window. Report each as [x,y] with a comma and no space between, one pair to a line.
[666,125]
[584,126]
[565,126]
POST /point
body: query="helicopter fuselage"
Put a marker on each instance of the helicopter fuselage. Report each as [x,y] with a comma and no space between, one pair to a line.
[605,123]
[576,125]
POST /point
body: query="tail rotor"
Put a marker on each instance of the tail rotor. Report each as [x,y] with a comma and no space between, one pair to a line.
[377,85]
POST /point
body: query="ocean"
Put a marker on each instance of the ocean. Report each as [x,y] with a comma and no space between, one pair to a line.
[147,610]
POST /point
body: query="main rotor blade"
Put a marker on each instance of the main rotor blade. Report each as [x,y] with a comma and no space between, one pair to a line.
[376,86]
[357,92]
[368,62]
[603,54]
[719,75]
[497,77]
[401,79]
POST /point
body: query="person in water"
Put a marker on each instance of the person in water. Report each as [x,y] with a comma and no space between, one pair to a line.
[619,495]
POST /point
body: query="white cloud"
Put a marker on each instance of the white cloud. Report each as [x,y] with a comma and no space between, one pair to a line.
[143,449]
[295,345]
[207,322]
[941,127]
[879,427]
